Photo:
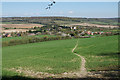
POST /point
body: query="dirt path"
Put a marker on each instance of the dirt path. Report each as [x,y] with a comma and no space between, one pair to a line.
[82,72]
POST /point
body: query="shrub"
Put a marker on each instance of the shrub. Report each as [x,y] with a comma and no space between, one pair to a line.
[5,43]
[32,40]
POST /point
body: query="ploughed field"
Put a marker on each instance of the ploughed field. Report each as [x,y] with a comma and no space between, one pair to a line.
[21,25]
[100,53]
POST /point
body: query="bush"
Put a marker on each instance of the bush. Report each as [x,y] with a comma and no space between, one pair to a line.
[5,43]
[32,40]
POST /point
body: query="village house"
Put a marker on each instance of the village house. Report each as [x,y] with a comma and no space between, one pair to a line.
[6,35]
[31,34]
[74,28]
[0,36]
[63,34]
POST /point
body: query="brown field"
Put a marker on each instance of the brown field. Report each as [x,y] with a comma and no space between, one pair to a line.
[96,25]
[21,25]
[14,30]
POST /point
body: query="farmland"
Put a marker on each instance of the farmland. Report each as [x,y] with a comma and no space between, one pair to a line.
[87,24]
[99,53]
[23,26]
[50,57]
[59,47]
[56,57]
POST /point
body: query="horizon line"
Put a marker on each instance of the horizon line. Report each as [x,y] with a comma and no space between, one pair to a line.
[57,16]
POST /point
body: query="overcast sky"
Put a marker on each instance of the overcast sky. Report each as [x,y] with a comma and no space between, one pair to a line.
[67,9]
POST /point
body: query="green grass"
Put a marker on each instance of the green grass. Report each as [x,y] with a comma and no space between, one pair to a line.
[14,38]
[10,73]
[51,56]
[101,53]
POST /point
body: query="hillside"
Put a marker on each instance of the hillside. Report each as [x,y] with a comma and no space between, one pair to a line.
[56,59]
[57,20]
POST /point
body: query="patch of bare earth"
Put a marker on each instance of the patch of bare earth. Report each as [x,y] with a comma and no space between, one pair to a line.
[103,74]
[30,73]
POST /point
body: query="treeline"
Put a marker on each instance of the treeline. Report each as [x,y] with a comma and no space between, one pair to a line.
[50,20]
[28,40]
[32,40]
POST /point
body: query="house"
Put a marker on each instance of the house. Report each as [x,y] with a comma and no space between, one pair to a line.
[63,34]
[50,33]
[7,35]
[31,34]
[73,28]
[88,32]
[0,36]
[92,33]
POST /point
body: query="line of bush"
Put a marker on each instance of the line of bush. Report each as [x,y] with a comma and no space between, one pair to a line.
[32,40]
[82,37]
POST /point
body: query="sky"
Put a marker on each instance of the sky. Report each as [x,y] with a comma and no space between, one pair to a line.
[60,0]
[66,9]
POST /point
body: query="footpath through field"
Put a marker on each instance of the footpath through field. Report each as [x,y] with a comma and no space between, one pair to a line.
[82,72]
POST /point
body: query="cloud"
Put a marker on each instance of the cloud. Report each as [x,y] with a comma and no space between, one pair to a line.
[70,12]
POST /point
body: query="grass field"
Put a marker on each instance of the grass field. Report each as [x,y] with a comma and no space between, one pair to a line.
[101,53]
[51,57]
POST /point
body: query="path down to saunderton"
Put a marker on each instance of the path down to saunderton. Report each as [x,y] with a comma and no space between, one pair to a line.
[82,71]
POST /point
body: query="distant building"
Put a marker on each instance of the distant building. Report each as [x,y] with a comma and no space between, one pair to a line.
[92,33]
[73,28]
[31,34]
[0,36]
[63,34]
[9,35]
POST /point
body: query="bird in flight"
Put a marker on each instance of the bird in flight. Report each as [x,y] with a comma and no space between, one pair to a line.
[51,4]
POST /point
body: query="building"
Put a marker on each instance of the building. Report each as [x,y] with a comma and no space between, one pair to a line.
[74,28]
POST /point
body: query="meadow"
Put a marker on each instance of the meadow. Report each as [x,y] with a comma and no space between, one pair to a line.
[100,53]
[50,56]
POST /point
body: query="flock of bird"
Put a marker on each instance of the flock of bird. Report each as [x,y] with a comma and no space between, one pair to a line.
[51,4]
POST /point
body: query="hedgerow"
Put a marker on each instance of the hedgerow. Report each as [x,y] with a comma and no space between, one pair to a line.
[32,40]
